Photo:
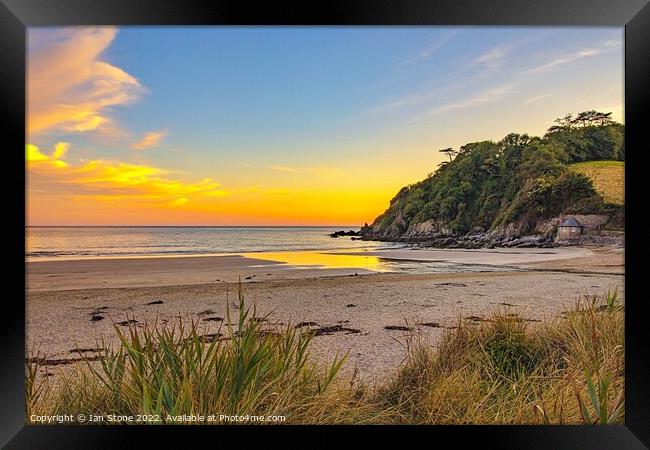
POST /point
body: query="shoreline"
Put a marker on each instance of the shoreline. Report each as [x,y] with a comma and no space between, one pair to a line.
[65,299]
[53,258]
[70,274]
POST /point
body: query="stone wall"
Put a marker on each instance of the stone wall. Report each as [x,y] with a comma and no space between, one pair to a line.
[568,233]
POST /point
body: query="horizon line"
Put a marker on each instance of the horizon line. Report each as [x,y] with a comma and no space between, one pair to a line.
[188,226]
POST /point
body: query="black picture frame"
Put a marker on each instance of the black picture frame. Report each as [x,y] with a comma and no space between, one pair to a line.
[634,15]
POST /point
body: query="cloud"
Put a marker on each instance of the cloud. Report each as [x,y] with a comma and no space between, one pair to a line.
[151,139]
[493,58]
[537,98]
[106,179]
[69,88]
[613,43]
[34,156]
[416,98]
[406,100]
[564,60]
[437,44]
[320,171]
[490,95]
[605,47]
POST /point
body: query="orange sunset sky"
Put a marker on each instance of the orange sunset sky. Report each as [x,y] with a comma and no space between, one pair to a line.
[272,126]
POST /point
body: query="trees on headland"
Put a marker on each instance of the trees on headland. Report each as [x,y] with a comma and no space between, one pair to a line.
[450,152]
[488,184]
[584,119]
[591,135]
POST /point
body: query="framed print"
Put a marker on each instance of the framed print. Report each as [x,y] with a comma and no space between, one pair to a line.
[404,218]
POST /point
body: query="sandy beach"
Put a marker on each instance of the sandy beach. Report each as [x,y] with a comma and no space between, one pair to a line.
[351,297]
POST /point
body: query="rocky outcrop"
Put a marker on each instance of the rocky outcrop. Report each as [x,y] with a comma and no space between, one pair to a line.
[479,240]
[343,233]
[430,227]
[598,239]
[515,234]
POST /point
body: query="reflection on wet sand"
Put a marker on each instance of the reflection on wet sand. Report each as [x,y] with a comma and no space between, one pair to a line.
[384,262]
[328,260]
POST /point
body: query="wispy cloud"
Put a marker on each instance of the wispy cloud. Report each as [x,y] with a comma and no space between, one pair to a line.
[149,140]
[493,58]
[417,97]
[69,87]
[613,43]
[609,45]
[563,61]
[537,98]
[484,97]
[320,171]
[437,44]
[406,100]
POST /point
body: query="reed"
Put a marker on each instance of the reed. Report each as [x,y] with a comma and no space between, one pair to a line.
[503,371]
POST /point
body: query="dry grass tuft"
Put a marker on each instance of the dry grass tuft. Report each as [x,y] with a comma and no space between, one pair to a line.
[505,371]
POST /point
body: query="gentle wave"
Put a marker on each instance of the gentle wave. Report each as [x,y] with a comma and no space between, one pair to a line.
[70,242]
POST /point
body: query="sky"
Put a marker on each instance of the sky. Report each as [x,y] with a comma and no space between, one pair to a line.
[284,125]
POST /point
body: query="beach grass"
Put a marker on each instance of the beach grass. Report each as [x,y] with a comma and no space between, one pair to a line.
[505,370]
[509,372]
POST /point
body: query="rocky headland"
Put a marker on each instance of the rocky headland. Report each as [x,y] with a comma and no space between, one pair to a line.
[522,191]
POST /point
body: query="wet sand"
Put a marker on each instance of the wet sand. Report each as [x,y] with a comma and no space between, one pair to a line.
[65,298]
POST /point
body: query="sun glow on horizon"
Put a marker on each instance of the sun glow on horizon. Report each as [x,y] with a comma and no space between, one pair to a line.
[120,134]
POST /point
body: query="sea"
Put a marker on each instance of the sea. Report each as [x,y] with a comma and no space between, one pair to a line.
[124,241]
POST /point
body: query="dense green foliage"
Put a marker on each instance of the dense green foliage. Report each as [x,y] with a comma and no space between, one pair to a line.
[520,178]
[587,137]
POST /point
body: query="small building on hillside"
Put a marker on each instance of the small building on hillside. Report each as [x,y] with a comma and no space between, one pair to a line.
[570,229]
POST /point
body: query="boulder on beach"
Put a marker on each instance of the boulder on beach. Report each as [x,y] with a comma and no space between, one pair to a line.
[343,233]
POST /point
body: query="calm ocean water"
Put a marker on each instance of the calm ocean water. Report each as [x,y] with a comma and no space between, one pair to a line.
[73,242]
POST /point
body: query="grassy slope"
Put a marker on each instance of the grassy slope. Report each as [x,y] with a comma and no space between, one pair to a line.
[503,371]
[607,176]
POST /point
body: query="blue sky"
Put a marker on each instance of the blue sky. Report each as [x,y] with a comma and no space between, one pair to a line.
[255,106]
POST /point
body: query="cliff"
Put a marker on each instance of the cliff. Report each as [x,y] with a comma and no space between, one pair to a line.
[510,192]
